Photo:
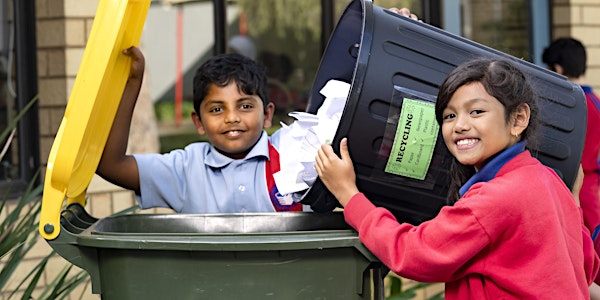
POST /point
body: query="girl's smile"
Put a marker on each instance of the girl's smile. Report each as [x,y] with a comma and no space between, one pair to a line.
[475,127]
[464,144]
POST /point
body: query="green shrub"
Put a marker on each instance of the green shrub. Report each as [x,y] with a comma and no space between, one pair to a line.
[18,235]
[165,110]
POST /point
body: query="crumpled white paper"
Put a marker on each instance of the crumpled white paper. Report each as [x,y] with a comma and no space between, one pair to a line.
[300,141]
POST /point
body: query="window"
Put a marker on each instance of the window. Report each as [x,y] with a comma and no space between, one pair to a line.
[7,96]
[518,27]
[499,24]
[289,37]
[18,85]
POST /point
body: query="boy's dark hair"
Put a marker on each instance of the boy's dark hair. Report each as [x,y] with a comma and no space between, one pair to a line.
[502,80]
[222,69]
[567,52]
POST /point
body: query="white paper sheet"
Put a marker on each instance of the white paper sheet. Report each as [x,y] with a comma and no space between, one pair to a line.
[300,141]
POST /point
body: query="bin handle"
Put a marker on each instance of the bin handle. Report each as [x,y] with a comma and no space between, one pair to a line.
[91,109]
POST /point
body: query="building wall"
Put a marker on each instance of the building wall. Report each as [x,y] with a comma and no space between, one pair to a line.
[63,28]
[580,19]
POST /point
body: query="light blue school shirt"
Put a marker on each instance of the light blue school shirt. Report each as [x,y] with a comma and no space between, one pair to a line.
[199,179]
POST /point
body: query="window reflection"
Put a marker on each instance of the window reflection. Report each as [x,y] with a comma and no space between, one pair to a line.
[500,24]
[8,168]
[285,36]
[290,49]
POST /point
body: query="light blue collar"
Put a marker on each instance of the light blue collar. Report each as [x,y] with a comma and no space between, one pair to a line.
[216,159]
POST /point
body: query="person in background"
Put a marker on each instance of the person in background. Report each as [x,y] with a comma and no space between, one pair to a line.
[513,229]
[279,70]
[243,45]
[567,56]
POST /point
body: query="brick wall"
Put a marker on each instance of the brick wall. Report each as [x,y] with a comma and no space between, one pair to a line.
[580,19]
[63,28]
[62,31]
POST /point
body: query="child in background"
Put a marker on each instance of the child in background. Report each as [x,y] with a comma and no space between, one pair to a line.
[232,174]
[567,56]
[513,231]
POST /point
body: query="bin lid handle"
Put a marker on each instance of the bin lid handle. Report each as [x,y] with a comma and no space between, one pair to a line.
[92,106]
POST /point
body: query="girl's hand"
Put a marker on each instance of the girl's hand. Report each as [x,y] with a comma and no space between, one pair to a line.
[404,12]
[337,174]
[577,185]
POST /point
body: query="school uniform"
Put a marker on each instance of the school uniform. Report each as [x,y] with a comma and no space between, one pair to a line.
[590,201]
[199,179]
[516,233]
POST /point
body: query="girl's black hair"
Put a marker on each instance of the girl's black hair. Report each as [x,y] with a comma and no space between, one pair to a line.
[222,69]
[504,81]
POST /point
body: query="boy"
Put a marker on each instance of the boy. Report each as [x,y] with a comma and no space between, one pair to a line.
[232,174]
[567,56]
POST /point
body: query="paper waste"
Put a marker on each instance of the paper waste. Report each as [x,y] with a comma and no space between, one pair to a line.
[300,140]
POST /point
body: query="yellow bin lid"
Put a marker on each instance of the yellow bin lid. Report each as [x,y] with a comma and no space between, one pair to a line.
[91,108]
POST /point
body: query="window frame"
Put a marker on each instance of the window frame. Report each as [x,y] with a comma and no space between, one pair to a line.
[26,80]
[539,25]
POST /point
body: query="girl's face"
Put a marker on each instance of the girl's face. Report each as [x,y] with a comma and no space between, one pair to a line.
[474,125]
[232,120]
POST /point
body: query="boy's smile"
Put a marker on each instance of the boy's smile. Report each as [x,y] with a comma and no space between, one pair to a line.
[232,120]
[474,126]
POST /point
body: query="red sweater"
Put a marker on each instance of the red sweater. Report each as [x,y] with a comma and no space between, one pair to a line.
[590,202]
[517,236]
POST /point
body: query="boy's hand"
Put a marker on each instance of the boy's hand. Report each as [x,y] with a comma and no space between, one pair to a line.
[137,62]
[337,174]
[115,165]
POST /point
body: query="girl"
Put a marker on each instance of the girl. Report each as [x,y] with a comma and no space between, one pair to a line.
[513,230]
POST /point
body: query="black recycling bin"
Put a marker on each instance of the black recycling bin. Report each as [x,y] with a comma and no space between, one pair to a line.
[388,58]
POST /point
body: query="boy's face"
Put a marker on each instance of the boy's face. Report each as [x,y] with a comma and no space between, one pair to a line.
[232,120]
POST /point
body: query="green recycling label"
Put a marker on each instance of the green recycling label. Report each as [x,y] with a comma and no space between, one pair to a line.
[414,141]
